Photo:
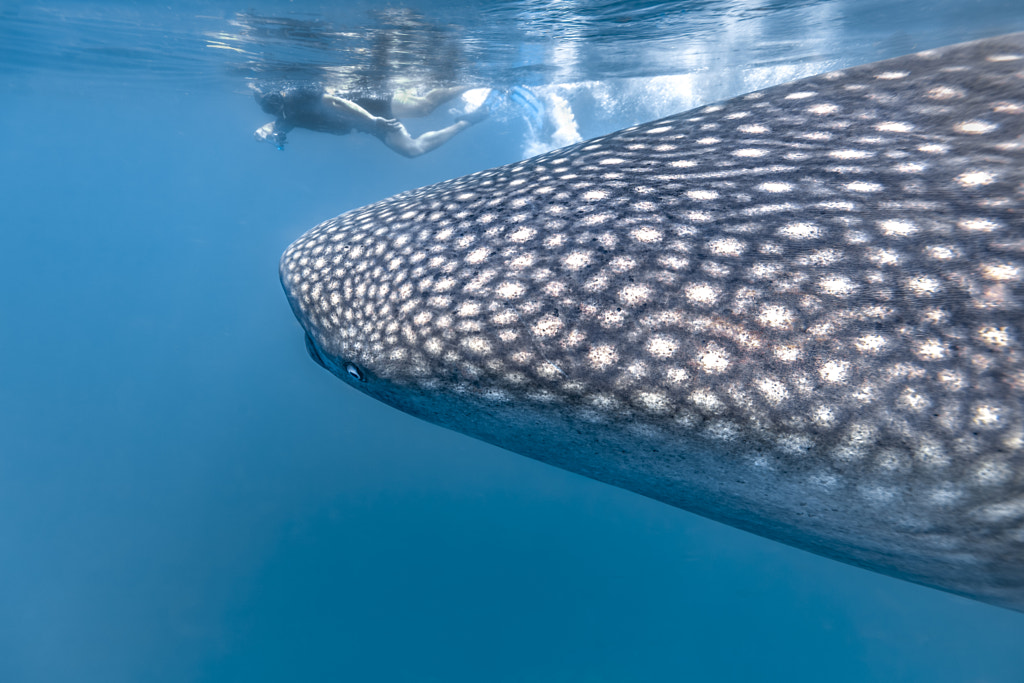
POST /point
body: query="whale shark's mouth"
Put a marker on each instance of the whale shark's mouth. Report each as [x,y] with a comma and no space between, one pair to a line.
[314,352]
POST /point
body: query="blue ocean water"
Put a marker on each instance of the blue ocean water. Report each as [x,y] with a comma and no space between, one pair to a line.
[185,496]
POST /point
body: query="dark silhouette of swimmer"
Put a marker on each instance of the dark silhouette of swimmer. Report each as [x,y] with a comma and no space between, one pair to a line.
[328,110]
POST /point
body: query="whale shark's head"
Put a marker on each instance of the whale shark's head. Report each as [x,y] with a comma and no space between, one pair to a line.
[800,312]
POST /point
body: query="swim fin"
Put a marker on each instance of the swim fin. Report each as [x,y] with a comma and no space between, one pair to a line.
[529,105]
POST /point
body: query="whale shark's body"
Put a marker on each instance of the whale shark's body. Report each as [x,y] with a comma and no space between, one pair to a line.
[799,312]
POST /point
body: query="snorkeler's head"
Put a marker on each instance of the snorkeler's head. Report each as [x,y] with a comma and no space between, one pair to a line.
[271,102]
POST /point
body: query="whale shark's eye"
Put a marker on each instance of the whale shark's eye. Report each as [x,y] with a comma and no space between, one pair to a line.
[353,370]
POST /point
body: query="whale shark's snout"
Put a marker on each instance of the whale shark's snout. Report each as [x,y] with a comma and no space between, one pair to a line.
[799,312]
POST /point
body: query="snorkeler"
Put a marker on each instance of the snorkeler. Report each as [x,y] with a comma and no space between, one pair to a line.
[326,110]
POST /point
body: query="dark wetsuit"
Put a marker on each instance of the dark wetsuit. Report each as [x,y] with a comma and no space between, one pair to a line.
[299,106]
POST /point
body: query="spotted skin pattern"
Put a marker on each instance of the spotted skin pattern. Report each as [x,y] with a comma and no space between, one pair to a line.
[798,312]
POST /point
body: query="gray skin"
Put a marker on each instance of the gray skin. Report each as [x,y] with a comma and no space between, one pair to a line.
[798,312]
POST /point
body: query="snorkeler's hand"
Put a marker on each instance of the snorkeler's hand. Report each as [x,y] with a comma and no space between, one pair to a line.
[386,127]
[270,133]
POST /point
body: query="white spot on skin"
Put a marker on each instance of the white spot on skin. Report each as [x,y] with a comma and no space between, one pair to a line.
[800,231]
[477,345]
[823,109]
[468,309]
[622,264]
[521,262]
[924,285]
[870,343]
[837,285]
[576,260]
[547,326]
[750,152]
[635,294]
[611,319]
[602,356]
[975,178]
[1004,58]
[930,349]
[943,92]
[942,253]
[996,337]
[656,402]
[662,346]
[554,241]
[851,154]
[910,167]
[897,228]
[834,371]
[702,194]
[673,262]
[862,186]
[707,401]
[985,415]
[776,317]
[894,127]
[510,290]
[824,416]
[701,293]
[713,359]
[775,187]
[753,128]
[597,218]
[1000,272]
[975,127]
[978,225]
[773,390]
[728,246]
[787,353]
[646,235]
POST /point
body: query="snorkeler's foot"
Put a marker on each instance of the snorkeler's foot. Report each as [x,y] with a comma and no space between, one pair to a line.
[484,110]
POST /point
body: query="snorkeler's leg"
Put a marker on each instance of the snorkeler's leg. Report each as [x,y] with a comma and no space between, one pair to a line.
[351,115]
[407,105]
[406,145]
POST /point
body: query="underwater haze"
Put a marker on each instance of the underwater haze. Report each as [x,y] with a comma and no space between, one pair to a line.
[186,496]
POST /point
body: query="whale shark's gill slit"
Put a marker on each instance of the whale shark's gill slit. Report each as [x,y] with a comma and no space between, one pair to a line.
[799,312]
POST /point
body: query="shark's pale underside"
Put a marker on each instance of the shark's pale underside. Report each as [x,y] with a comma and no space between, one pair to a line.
[799,312]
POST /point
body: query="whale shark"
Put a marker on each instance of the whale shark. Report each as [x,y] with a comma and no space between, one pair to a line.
[799,312]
